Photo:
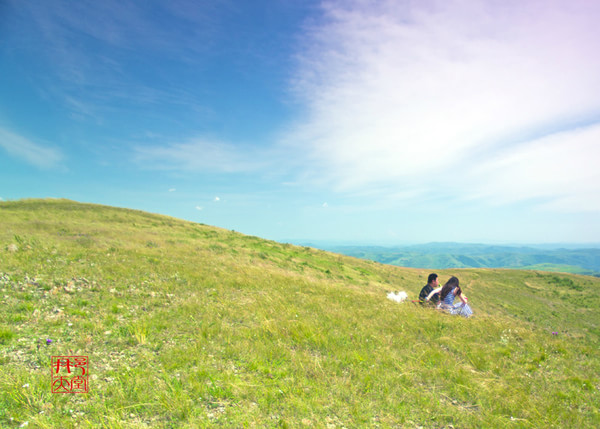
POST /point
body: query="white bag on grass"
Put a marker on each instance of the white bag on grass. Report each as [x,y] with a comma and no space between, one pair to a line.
[398,296]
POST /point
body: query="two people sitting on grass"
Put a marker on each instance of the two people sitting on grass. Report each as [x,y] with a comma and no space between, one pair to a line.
[432,283]
[447,294]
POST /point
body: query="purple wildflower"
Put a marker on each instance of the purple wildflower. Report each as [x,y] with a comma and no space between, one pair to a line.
[48,341]
[554,333]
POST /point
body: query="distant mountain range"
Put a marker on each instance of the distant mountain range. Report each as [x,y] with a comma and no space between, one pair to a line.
[460,255]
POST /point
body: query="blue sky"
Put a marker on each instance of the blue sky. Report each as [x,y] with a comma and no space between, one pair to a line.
[359,121]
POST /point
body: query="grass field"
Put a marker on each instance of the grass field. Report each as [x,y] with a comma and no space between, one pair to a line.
[187,325]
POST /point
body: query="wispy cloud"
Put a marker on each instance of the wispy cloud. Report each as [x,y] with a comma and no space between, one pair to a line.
[560,170]
[36,154]
[94,52]
[201,155]
[493,100]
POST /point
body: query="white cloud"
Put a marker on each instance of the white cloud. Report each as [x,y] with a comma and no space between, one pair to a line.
[217,199]
[172,190]
[33,153]
[201,155]
[199,208]
[452,97]
[560,169]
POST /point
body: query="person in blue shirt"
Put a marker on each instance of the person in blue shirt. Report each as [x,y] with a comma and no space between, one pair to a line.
[448,293]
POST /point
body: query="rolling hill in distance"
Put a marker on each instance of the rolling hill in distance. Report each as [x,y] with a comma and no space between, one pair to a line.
[188,325]
[577,260]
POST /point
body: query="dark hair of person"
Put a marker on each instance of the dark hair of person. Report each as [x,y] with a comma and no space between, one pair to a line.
[449,287]
[431,278]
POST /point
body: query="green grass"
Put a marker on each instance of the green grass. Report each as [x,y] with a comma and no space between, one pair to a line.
[559,268]
[188,325]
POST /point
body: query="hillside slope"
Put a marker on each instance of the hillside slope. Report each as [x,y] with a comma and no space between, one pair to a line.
[187,325]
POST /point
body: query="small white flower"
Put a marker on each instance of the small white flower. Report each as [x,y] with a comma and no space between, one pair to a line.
[26,385]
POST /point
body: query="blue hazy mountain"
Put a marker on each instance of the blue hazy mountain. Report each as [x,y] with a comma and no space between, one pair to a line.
[460,255]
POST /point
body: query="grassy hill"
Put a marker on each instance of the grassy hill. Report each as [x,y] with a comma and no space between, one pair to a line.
[187,325]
